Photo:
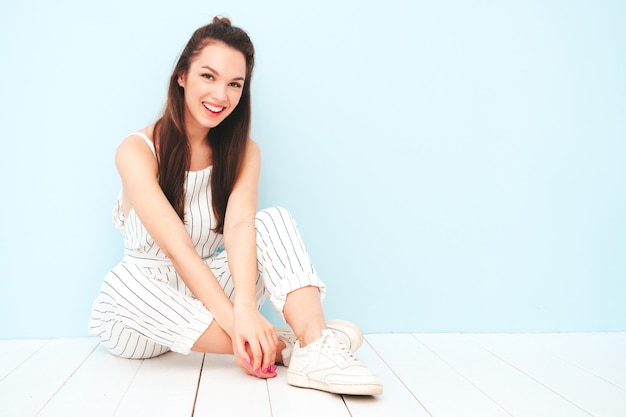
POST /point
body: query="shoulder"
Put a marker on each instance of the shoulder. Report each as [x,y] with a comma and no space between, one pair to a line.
[142,136]
[252,157]
[253,149]
[134,150]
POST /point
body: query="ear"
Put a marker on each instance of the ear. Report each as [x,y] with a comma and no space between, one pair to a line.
[181,80]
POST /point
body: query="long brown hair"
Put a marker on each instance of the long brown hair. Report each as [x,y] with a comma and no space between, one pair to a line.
[227,140]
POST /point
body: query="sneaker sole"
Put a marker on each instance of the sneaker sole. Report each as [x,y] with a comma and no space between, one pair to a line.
[300,380]
[350,330]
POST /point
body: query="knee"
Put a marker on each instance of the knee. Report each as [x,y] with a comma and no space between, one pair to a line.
[157,351]
[275,220]
[273,213]
[135,348]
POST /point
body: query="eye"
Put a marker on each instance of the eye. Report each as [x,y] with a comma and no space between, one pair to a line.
[235,84]
[208,76]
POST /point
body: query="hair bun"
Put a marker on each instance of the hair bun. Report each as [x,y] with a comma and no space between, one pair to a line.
[222,20]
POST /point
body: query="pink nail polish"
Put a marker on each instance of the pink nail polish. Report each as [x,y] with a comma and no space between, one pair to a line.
[266,370]
[272,368]
[257,370]
[247,361]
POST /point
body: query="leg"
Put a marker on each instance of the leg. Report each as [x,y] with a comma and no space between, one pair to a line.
[295,290]
[321,358]
[303,312]
[215,339]
[285,266]
[116,336]
[141,316]
[144,312]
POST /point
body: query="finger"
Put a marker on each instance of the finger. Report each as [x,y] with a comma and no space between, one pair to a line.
[269,356]
[241,350]
[258,370]
[245,368]
[274,335]
[257,357]
[250,356]
[276,342]
[245,365]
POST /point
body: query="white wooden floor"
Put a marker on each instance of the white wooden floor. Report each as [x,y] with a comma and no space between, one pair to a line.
[438,375]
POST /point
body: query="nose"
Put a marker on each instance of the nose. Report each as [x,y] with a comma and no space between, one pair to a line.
[219,92]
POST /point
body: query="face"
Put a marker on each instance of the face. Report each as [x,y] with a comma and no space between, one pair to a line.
[213,85]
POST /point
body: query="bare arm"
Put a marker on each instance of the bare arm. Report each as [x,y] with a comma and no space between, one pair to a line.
[240,242]
[138,171]
[239,231]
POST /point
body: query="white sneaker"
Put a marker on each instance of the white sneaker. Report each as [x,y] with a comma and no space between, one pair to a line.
[290,340]
[328,365]
[348,333]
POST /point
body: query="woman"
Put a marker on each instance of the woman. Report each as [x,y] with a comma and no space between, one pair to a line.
[199,261]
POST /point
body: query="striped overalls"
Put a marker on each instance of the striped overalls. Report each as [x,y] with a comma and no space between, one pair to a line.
[144,308]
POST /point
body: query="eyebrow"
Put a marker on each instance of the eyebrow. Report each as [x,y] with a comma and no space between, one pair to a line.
[217,73]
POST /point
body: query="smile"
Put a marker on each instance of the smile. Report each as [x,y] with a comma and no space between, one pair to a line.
[213,109]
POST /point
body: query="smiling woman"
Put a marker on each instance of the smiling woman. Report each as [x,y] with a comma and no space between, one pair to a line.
[199,259]
[212,93]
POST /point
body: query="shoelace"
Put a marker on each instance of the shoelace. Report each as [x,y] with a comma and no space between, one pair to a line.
[286,336]
[335,348]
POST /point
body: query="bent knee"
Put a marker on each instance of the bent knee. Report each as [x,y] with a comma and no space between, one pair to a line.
[274,214]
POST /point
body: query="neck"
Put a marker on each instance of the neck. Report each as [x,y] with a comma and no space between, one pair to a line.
[196,133]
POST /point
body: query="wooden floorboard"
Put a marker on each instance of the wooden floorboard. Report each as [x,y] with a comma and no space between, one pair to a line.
[424,375]
[29,387]
[601,354]
[15,352]
[529,354]
[506,386]
[438,387]
[96,389]
[226,391]
[163,386]
[397,400]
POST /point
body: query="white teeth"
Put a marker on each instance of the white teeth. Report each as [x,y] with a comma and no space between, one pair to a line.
[214,109]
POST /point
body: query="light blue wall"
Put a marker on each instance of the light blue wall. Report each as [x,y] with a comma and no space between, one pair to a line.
[453,165]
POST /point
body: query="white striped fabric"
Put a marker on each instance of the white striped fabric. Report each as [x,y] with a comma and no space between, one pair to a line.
[199,219]
[145,309]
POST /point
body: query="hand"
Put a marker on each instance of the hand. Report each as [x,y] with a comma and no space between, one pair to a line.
[254,343]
